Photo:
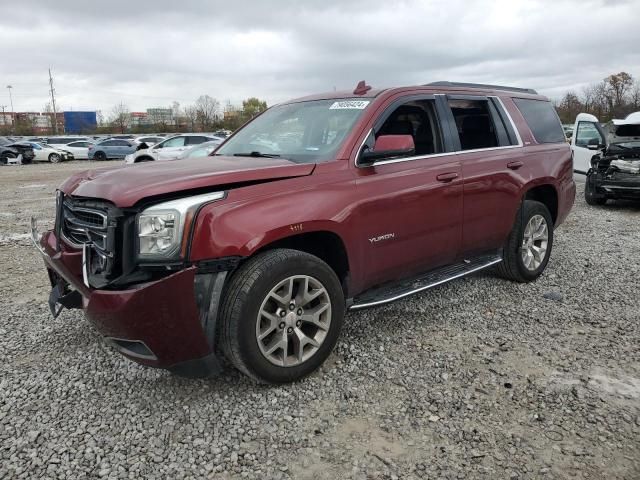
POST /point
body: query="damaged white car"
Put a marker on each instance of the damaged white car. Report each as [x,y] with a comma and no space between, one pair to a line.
[609,156]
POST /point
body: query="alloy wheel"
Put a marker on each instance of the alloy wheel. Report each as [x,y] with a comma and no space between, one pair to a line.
[535,242]
[293,321]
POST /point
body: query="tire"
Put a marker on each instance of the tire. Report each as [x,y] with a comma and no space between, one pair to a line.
[5,158]
[99,156]
[143,159]
[55,158]
[591,196]
[513,266]
[248,295]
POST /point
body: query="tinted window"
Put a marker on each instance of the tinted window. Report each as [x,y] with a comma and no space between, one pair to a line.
[474,123]
[586,132]
[416,118]
[542,119]
[196,140]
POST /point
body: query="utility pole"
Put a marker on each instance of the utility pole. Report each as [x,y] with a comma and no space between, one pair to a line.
[53,104]
[13,113]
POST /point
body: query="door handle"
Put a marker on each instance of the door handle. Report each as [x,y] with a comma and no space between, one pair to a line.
[515,165]
[446,177]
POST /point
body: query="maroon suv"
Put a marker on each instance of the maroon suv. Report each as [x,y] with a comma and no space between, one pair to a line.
[329,203]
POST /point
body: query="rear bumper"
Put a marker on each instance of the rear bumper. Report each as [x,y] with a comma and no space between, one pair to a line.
[157,324]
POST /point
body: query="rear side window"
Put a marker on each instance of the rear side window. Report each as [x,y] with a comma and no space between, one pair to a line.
[474,123]
[542,119]
[196,140]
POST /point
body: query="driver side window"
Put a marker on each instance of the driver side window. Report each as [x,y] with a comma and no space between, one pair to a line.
[586,132]
[416,118]
[173,142]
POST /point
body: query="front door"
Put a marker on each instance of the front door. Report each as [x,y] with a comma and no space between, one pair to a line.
[410,218]
[585,142]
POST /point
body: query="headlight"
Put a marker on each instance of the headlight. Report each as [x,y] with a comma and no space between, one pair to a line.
[162,227]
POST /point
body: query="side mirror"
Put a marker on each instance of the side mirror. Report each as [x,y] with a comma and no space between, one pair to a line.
[389,146]
[594,144]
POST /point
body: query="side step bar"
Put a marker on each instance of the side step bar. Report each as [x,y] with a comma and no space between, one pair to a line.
[395,291]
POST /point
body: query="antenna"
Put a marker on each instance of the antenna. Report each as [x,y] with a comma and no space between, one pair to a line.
[53,104]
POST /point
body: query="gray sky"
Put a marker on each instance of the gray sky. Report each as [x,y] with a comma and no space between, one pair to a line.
[150,53]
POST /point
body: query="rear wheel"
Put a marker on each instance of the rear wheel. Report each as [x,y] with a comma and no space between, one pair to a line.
[527,251]
[54,158]
[100,156]
[591,195]
[281,315]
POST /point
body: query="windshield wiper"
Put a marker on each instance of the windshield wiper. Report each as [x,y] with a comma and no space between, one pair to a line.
[256,154]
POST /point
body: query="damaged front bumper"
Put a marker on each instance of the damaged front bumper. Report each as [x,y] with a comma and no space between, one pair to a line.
[615,185]
[167,323]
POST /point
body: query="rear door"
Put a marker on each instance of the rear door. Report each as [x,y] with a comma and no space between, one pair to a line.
[489,150]
[585,141]
[410,217]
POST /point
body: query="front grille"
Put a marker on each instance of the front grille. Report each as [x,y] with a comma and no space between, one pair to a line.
[96,223]
[84,225]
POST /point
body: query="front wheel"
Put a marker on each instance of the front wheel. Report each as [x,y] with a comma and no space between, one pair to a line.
[591,195]
[54,158]
[100,156]
[527,251]
[281,315]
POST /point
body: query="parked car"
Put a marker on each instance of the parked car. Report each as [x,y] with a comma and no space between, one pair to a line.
[64,140]
[609,156]
[170,148]
[203,150]
[10,149]
[111,148]
[49,153]
[80,150]
[361,199]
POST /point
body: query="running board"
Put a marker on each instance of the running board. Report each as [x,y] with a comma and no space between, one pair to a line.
[395,291]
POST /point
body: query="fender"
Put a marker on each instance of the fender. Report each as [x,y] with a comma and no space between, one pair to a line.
[244,222]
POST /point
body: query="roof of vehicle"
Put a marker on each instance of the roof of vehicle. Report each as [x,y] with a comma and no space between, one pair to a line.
[440,86]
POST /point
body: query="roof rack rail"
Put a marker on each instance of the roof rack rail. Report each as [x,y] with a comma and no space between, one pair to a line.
[480,85]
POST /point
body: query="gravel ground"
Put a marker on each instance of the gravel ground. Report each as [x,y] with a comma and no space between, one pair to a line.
[480,378]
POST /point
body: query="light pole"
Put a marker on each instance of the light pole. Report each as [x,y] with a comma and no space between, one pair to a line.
[13,114]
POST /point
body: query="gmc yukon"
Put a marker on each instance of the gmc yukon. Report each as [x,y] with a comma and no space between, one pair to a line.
[317,206]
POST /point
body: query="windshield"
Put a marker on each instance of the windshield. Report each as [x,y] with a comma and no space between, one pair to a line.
[305,132]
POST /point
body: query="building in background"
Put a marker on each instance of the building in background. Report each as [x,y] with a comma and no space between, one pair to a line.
[80,122]
[160,116]
[139,119]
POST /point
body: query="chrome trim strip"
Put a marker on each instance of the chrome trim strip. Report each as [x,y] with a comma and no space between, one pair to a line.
[85,259]
[34,235]
[426,287]
[435,155]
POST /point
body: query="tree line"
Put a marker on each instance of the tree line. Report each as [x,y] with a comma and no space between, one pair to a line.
[204,115]
[614,97]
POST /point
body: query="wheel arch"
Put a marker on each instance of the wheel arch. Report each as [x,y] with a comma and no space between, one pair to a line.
[546,194]
[324,244]
[143,158]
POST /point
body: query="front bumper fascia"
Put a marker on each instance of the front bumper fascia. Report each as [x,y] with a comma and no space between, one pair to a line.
[158,324]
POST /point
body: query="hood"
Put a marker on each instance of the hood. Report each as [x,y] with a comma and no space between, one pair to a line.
[128,184]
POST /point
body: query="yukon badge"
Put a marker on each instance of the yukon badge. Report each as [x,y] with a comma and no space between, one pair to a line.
[386,236]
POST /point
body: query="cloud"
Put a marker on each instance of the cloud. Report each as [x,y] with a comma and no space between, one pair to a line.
[150,53]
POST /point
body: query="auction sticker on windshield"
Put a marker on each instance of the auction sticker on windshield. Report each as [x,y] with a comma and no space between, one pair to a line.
[349,104]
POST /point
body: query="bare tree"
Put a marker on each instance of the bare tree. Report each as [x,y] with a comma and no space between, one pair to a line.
[208,111]
[191,114]
[121,117]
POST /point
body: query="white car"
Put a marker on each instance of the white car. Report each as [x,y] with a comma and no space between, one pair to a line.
[170,148]
[590,137]
[79,149]
[48,153]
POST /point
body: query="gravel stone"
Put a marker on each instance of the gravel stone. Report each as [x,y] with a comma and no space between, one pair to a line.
[479,378]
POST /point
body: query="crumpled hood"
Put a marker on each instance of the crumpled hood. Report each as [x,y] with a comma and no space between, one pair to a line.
[128,184]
